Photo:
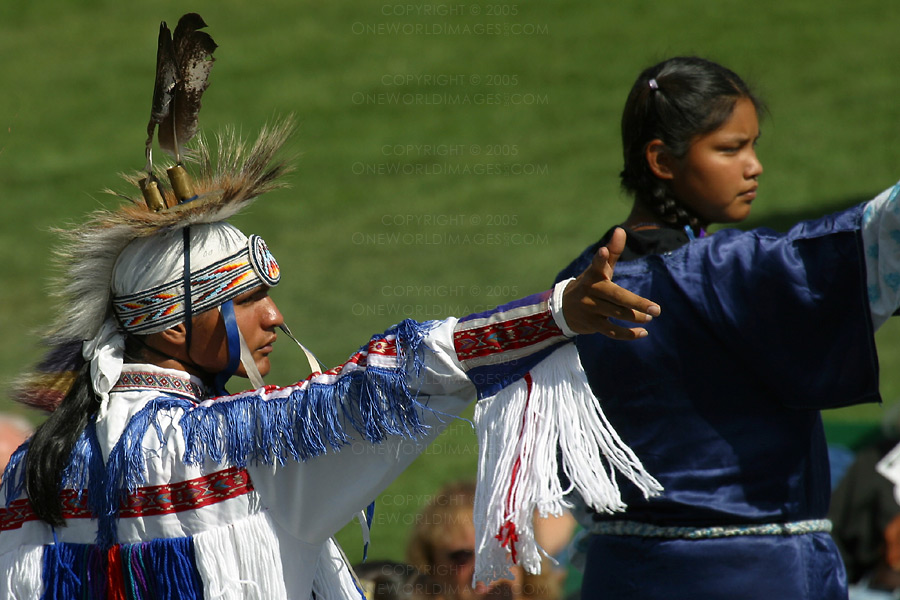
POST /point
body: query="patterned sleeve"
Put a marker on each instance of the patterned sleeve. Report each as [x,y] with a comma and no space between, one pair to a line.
[881,236]
[496,348]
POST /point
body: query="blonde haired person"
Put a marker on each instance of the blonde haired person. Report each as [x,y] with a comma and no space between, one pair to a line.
[443,543]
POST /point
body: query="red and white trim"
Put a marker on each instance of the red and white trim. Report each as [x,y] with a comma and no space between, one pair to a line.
[506,335]
[149,501]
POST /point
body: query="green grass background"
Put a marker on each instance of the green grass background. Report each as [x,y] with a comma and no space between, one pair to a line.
[530,177]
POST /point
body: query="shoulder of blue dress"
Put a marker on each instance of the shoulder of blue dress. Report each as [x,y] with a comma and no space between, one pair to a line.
[845,221]
[849,220]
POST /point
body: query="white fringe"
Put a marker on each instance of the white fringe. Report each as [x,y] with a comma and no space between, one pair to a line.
[334,579]
[562,415]
[241,560]
[22,574]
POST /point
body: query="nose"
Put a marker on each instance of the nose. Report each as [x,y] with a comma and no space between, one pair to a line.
[754,167]
[271,316]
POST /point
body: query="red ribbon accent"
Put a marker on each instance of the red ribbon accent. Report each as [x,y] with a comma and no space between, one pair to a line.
[509,538]
[507,535]
[115,579]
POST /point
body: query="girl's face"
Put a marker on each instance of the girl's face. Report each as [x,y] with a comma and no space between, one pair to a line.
[717,179]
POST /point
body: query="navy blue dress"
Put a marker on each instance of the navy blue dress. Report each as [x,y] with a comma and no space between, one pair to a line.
[759,331]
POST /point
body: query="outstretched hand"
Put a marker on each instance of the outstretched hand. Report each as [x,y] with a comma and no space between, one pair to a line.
[592,298]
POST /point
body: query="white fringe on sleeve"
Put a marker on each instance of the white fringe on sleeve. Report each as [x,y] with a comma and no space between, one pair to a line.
[547,423]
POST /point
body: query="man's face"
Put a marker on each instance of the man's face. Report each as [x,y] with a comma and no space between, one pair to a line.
[454,560]
[454,567]
[256,315]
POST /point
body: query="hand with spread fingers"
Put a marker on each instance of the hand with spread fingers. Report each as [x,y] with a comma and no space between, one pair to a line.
[592,298]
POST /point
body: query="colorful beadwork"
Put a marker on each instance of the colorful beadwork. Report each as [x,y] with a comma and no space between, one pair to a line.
[481,341]
[163,382]
[264,262]
[699,533]
[163,306]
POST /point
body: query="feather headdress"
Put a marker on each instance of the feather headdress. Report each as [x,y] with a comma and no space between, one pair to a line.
[183,64]
[223,187]
[182,72]
[228,176]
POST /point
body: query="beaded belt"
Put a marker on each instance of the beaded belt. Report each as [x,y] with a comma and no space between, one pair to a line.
[698,533]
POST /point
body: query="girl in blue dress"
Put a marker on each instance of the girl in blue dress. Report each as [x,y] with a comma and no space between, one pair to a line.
[762,330]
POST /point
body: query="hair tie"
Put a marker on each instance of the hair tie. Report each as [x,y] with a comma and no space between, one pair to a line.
[654,85]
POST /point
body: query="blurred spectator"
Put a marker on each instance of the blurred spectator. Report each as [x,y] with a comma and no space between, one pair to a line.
[389,580]
[863,502]
[862,505]
[443,546]
[554,534]
[866,519]
[882,582]
[13,431]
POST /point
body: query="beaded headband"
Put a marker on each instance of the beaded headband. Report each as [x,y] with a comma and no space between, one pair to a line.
[164,306]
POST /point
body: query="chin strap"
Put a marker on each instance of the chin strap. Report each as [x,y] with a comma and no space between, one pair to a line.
[239,353]
[233,339]
[315,365]
[249,364]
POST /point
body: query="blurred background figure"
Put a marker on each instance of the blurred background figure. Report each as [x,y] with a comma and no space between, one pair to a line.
[866,518]
[443,546]
[13,431]
[882,581]
[390,580]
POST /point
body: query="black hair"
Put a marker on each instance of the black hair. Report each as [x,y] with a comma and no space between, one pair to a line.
[50,449]
[675,101]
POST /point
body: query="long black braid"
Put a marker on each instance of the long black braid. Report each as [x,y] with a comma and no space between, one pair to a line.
[51,446]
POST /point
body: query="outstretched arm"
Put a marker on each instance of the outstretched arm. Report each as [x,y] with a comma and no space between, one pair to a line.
[376,411]
[592,298]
